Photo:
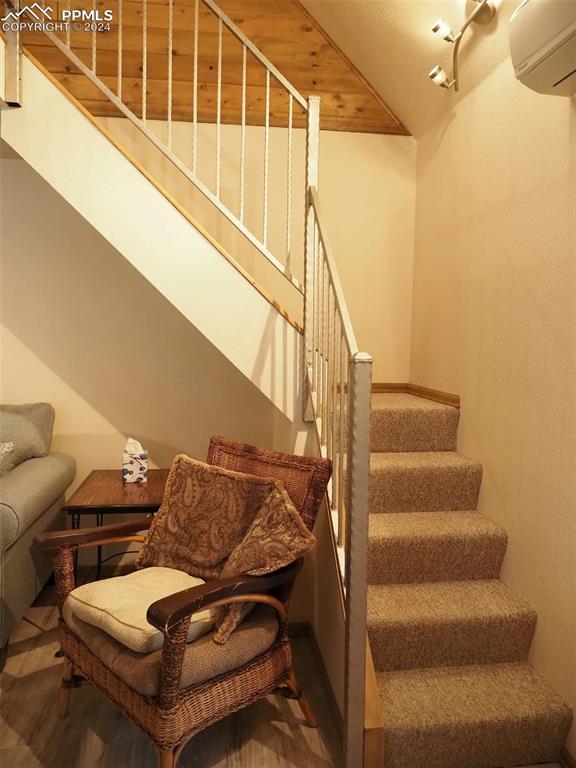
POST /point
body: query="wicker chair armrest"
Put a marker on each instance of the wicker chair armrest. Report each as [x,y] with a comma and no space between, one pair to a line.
[255,597]
[83,537]
[167,613]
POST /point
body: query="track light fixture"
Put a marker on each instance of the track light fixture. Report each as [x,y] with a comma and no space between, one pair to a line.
[482,14]
[442,29]
[439,77]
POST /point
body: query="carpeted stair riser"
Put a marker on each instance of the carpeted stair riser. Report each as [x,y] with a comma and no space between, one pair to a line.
[423,482]
[449,623]
[401,423]
[471,717]
[449,640]
[434,546]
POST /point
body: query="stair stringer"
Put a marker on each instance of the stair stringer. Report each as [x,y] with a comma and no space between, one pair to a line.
[56,139]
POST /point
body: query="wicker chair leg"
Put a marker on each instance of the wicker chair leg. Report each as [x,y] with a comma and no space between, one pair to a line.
[166,758]
[65,688]
[305,707]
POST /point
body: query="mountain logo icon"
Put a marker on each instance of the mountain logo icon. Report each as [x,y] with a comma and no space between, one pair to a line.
[39,12]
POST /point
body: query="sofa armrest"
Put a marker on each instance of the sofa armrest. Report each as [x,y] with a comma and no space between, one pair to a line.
[28,490]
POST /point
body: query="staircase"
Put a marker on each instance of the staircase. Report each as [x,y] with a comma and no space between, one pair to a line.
[450,641]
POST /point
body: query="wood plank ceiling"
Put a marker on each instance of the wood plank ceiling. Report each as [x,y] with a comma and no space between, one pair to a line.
[281,29]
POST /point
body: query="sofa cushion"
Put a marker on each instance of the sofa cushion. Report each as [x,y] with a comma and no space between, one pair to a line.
[203,659]
[28,490]
[7,462]
[29,426]
[118,606]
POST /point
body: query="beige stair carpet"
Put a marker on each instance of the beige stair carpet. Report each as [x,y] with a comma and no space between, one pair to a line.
[423,481]
[419,546]
[457,622]
[487,716]
[450,641]
[402,422]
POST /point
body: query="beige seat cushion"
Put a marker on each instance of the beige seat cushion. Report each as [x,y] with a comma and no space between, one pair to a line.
[119,605]
[203,659]
[216,523]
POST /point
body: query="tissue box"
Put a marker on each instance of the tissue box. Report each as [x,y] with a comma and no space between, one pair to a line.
[135,467]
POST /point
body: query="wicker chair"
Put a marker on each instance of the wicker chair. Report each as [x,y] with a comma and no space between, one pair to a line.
[172,714]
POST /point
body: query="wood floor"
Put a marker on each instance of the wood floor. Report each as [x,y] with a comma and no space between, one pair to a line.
[268,734]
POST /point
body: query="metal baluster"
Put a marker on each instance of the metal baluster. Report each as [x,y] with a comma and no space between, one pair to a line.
[195,87]
[170,45]
[218,108]
[318,297]
[289,188]
[326,289]
[336,435]
[266,149]
[318,316]
[243,135]
[329,371]
[321,336]
[311,180]
[332,382]
[312,293]
[94,25]
[347,455]
[119,66]
[144,56]
[343,436]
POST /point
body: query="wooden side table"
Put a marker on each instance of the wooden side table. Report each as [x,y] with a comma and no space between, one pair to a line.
[104,492]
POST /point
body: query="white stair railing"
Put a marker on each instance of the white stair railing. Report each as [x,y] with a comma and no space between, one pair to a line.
[139,113]
[338,386]
[338,381]
[337,375]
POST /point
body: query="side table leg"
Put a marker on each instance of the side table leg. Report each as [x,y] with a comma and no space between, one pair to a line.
[99,523]
[75,525]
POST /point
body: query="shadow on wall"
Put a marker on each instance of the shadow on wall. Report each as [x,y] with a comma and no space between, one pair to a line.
[81,308]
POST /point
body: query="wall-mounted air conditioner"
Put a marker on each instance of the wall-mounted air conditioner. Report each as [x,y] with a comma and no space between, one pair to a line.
[543,45]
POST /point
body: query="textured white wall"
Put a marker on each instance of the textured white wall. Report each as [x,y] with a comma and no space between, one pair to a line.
[495,321]
[367,189]
[112,195]
[392,44]
[82,328]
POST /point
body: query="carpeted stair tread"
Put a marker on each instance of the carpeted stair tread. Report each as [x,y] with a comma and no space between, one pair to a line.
[403,422]
[433,546]
[423,481]
[447,623]
[487,716]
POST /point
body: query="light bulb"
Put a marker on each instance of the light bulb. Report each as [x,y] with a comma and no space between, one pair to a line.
[442,29]
[438,76]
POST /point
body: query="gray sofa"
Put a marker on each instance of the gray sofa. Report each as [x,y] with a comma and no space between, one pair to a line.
[32,484]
